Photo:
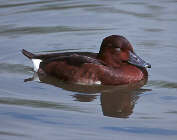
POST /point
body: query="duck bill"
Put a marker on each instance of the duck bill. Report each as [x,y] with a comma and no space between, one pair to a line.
[137,61]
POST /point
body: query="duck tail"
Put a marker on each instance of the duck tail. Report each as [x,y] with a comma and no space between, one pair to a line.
[28,54]
[36,61]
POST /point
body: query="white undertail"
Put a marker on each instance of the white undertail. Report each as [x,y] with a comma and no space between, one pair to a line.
[36,63]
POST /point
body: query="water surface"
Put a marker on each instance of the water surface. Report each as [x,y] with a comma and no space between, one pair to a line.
[49,109]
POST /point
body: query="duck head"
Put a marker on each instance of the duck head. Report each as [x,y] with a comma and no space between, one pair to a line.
[116,50]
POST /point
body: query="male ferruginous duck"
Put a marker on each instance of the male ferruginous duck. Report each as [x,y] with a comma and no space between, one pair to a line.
[115,64]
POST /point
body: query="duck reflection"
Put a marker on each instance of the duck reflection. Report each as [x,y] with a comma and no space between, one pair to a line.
[116,101]
[84,97]
[118,104]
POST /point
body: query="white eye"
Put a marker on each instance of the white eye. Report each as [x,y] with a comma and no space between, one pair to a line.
[118,49]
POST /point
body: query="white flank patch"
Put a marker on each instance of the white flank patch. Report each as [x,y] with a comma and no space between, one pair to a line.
[98,82]
[89,83]
[36,63]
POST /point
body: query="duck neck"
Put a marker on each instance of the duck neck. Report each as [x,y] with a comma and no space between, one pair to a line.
[109,60]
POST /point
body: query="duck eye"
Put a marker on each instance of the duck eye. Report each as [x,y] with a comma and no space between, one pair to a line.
[118,49]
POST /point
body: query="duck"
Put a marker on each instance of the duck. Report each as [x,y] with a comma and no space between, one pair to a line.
[116,63]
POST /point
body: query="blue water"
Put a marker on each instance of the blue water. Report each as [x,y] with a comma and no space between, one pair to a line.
[48,109]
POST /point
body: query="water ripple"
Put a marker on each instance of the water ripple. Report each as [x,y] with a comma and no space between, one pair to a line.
[120,11]
[12,134]
[14,68]
[23,4]
[163,84]
[143,130]
[9,31]
[39,104]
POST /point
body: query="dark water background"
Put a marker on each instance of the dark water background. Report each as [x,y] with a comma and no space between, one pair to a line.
[49,110]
